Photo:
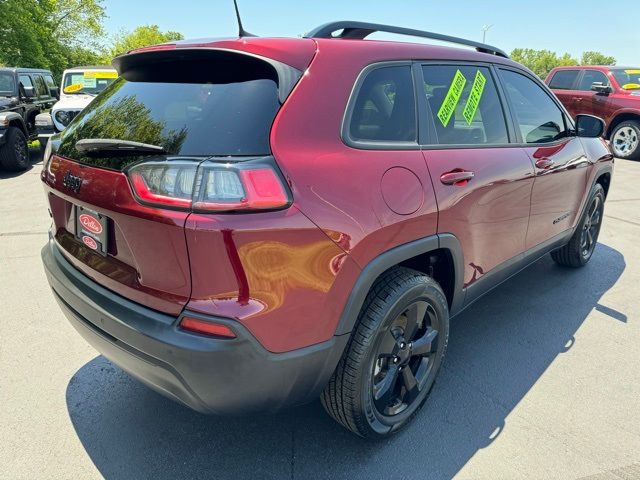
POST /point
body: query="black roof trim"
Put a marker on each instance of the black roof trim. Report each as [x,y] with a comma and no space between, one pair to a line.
[361,30]
[25,70]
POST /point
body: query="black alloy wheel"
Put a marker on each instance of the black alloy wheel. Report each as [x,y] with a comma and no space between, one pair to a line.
[405,357]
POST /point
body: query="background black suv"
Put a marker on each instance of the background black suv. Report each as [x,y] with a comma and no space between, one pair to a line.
[24,93]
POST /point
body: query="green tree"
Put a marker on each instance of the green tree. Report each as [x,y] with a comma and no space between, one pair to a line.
[596,58]
[142,36]
[541,62]
[50,33]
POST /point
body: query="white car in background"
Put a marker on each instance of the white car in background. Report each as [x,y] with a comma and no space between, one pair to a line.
[80,85]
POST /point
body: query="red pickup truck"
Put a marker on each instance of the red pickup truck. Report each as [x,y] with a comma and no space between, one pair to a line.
[611,93]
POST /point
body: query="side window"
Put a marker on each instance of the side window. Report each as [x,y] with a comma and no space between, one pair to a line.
[41,87]
[539,119]
[385,108]
[464,104]
[564,79]
[25,81]
[49,81]
[591,76]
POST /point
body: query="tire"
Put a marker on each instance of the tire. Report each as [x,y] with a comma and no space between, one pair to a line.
[580,248]
[14,155]
[625,140]
[369,392]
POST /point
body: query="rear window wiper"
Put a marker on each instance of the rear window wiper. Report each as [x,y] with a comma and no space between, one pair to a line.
[106,146]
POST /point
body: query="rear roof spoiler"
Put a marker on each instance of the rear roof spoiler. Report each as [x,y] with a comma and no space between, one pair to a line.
[361,30]
[125,64]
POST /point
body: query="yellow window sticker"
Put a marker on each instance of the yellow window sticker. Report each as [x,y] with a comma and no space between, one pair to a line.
[450,102]
[74,87]
[100,74]
[473,101]
[632,72]
[631,86]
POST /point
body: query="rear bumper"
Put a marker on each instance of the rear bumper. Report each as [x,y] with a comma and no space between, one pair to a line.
[209,375]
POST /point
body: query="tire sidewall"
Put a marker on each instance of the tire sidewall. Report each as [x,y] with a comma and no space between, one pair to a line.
[634,154]
[597,190]
[377,423]
[15,136]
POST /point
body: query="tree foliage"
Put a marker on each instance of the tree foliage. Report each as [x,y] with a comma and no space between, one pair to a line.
[59,34]
[541,62]
[51,34]
[142,36]
[596,58]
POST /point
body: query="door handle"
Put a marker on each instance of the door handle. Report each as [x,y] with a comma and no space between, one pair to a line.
[577,99]
[544,163]
[456,177]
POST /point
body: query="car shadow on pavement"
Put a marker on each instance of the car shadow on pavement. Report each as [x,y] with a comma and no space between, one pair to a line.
[35,158]
[498,349]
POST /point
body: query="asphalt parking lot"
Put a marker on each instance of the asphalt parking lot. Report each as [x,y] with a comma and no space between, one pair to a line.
[542,380]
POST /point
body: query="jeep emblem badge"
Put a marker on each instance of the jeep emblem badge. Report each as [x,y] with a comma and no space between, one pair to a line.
[72,182]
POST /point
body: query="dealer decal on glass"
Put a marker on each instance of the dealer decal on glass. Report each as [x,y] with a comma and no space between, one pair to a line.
[450,102]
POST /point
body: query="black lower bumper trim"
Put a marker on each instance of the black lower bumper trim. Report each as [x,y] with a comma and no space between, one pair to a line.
[230,376]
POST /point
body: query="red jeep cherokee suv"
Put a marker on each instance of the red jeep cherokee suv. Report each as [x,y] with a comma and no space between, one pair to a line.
[611,93]
[251,223]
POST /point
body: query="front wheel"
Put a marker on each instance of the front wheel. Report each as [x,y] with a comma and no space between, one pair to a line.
[14,154]
[580,248]
[393,357]
[625,140]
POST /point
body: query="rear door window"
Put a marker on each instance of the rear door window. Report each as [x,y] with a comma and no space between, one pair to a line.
[564,79]
[591,76]
[41,86]
[202,109]
[384,109]
[464,105]
[538,117]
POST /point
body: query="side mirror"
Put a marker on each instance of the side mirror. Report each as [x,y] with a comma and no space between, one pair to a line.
[55,92]
[29,92]
[588,126]
[601,88]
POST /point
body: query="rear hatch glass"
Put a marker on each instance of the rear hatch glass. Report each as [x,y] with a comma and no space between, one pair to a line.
[193,107]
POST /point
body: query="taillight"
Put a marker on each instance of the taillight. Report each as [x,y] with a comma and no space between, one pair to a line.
[209,186]
[206,328]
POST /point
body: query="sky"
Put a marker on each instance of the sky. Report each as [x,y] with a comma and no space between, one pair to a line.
[543,24]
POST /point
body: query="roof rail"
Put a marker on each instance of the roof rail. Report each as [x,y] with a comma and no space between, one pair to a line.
[361,30]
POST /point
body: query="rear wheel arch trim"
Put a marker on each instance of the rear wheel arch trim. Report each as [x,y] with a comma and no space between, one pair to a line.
[394,257]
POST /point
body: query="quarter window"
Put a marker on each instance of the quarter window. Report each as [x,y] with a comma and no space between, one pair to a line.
[564,79]
[464,105]
[41,87]
[538,117]
[384,110]
[591,76]
[49,81]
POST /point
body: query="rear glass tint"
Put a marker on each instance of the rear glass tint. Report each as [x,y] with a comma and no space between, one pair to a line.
[564,79]
[384,110]
[189,108]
